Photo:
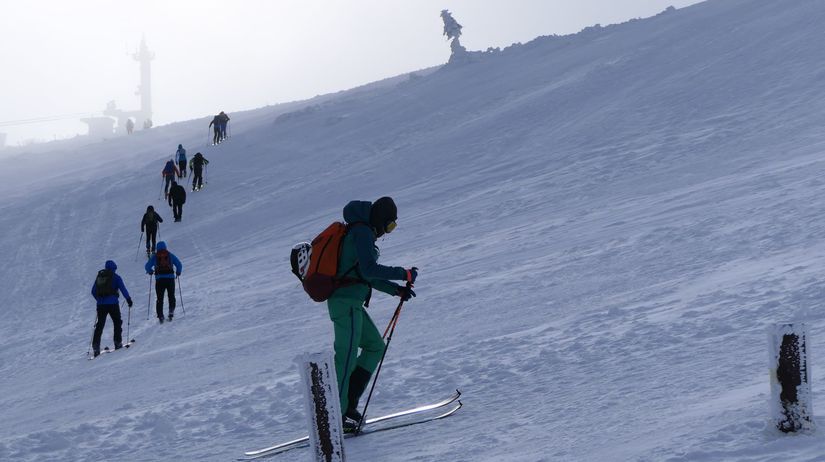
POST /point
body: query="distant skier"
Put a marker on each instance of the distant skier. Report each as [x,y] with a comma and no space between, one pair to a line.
[149,223]
[177,197]
[147,124]
[130,126]
[353,327]
[105,291]
[196,166]
[216,129]
[224,124]
[161,265]
[180,155]
[169,172]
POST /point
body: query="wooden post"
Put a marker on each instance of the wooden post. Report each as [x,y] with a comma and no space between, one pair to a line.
[320,386]
[791,406]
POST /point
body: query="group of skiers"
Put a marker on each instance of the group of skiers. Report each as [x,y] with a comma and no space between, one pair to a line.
[175,194]
[359,346]
[219,124]
[162,264]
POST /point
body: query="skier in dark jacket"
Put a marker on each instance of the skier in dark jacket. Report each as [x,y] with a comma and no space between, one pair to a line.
[150,225]
[180,156]
[169,173]
[105,290]
[216,129]
[177,197]
[224,124]
[353,327]
[161,265]
[196,166]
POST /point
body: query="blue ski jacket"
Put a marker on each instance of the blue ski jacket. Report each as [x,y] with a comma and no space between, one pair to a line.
[111,299]
[181,154]
[150,265]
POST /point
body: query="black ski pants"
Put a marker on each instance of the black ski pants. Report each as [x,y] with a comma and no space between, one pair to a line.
[112,311]
[168,182]
[182,168]
[177,210]
[197,180]
[151,238]
[217,136]
[165,285]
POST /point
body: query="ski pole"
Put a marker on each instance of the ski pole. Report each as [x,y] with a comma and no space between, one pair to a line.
[206,175]
[91,341]
[138,247]
[149,303]
[128,321]
[180,289]
[162,181]
[391,329]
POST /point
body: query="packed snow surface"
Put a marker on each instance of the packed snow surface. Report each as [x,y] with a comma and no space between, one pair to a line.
[606,225]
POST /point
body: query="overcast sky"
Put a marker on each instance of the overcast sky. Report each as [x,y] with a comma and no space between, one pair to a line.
[69,57]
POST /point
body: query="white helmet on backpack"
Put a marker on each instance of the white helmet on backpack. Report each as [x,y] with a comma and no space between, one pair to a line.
[299,258]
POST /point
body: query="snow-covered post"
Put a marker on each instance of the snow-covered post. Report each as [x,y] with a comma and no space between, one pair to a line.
[452,29]
[791,407]
[326,433]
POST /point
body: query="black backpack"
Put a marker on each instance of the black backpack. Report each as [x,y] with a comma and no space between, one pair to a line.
[105,283]
[149,218]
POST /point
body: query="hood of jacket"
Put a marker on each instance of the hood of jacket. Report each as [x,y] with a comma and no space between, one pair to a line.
[161,245]
[110,265]
[357,211]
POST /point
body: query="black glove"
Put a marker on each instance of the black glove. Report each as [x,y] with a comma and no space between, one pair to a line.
[412,273]
[150,272]
[129,302]
[177,273]
[405,293]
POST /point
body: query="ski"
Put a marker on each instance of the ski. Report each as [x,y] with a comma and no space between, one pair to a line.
[369,426]
[112,350]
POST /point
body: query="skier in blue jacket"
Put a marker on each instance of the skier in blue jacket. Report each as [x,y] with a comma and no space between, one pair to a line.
[105,291]
[180,156]
[161,265]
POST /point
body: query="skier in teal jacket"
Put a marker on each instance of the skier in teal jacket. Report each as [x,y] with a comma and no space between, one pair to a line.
[354,328]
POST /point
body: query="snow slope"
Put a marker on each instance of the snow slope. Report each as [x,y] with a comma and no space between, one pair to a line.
[606,223]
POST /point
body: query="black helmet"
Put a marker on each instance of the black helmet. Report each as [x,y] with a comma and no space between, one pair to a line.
[383,213]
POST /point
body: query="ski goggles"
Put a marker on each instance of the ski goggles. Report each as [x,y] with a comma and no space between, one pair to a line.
[390,226]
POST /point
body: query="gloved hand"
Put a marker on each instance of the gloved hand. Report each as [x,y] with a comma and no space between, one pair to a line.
[129,302]
[405,293]
[412,273]
[177,273]
[150,272]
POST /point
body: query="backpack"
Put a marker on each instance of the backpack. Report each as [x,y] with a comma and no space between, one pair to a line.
[163,262]
[316,263]
[149,219]
[105,283]
[169,168]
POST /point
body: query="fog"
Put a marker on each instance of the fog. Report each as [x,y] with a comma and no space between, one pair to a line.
[63,60]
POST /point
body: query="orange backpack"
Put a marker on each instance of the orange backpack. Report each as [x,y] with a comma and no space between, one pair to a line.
[316,263]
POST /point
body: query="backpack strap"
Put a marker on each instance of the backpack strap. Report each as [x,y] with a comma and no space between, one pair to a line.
[359,279]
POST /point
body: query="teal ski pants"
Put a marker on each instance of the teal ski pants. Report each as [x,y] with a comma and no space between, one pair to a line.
[353,330]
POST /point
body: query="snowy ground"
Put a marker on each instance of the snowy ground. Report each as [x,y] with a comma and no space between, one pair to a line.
[606,225]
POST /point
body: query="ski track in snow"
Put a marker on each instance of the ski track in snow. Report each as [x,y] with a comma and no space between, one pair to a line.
[606,224]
